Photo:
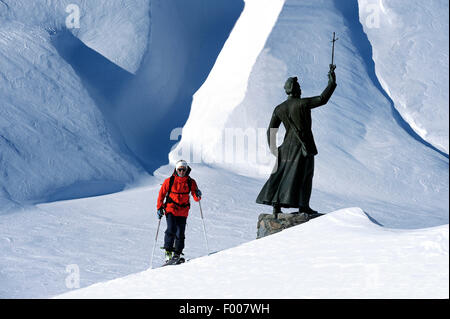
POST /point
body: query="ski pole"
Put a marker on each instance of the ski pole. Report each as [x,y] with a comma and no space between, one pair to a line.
[204,228]
[154,245]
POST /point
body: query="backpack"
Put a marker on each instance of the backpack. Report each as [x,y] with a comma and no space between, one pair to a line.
[170,200]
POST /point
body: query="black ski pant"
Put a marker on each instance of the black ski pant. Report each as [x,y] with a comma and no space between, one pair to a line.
[174,235]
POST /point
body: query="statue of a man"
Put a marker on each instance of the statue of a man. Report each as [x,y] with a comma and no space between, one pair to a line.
[290,183]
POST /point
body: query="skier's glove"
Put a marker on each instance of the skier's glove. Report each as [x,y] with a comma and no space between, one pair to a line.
[198,193]
[160,213]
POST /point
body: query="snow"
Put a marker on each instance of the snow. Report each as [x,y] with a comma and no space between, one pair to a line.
[51,133]
[226,84]
[116,30]
[412,62]
[358,134]
[340,255]
[384,188]
[112,235]
[343,254]
[180,56]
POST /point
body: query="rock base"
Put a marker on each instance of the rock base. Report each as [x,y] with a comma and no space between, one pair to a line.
[268,225]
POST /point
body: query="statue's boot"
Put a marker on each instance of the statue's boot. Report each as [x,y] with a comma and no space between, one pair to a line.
[276,211]
[307,210]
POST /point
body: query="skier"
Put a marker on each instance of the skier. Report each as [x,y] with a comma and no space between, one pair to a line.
[173,202]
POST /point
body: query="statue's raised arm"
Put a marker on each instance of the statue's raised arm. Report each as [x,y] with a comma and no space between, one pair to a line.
[323,98]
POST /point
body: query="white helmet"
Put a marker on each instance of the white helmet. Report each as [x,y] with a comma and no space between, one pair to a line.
[181,163]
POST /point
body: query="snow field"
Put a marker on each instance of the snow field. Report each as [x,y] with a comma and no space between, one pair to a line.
[339,255]
[392,243]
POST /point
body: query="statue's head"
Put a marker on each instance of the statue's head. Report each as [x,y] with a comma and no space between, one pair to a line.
[292,87]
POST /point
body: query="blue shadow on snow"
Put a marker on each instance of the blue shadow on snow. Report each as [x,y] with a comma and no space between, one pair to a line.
[350,10]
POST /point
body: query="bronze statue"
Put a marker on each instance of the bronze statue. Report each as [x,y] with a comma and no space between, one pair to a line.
[290,184]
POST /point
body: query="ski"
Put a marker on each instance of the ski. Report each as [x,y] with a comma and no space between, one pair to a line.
[171,262]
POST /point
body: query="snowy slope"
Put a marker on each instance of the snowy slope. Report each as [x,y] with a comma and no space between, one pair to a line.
[352,258]
[367,157]
[412,62]
[115,29]
[185,39]
[112,236]
[51,134]
[54,141]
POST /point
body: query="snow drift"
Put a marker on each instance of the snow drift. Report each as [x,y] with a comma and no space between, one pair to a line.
[119,32]
[367,155]
[412,62]
[52,134]
[103,95]
[54,141]
[185,39]
[351,258]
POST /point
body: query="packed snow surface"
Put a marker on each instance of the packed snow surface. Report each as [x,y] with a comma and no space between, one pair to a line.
[340,255]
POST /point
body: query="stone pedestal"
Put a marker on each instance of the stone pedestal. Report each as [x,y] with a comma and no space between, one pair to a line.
[268,224]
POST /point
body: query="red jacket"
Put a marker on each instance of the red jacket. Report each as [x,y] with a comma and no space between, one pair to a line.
[178,202]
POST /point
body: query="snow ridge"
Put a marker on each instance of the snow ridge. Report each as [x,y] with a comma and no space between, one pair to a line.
[367,51]
[317,267]
[412,62]
[55,143]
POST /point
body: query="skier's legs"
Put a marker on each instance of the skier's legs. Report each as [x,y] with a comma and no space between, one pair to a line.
[169,237]
[179,237]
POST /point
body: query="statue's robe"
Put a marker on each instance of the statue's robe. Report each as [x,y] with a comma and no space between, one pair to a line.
[290,183]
